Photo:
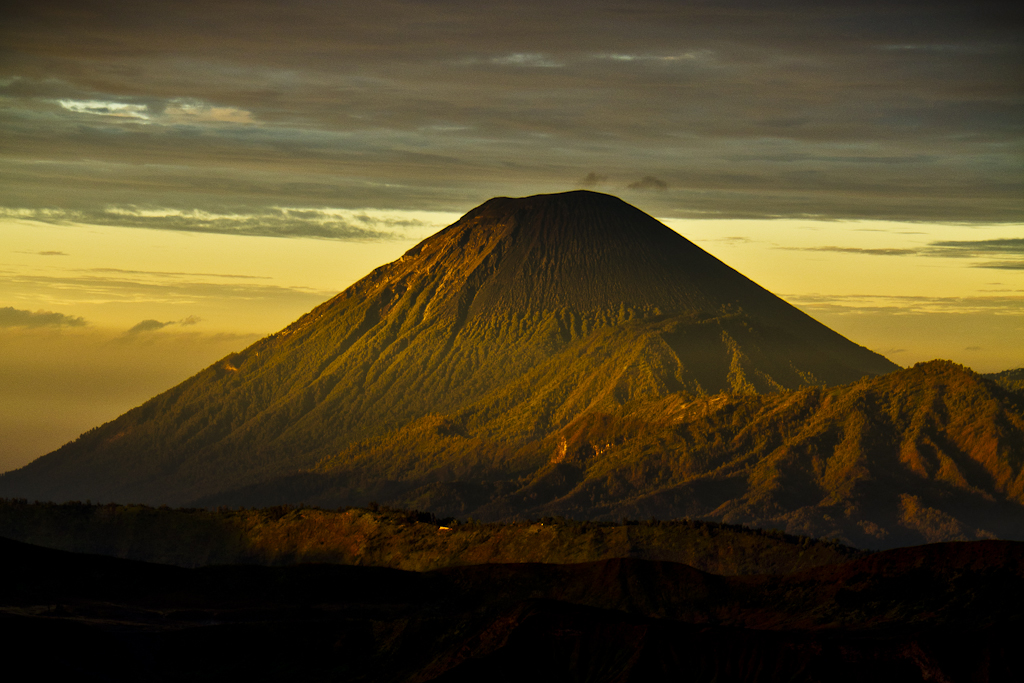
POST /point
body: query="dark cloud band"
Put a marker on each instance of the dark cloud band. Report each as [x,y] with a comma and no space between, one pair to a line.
[897,110]
[975,248]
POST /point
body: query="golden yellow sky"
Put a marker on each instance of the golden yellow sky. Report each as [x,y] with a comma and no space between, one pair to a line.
[140,310]
[178,179]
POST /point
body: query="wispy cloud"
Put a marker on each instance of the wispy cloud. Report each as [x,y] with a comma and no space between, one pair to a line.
[861,304]
[151,325]
[941,47]
[527,59]
[1013,247]
[117,110]
[196,111]
[691,56]
[148,326]
[1009,252]
[177,111]
[275,222]
[176,274]
[14,317]
[318,223]
[649,182]
[98,289]
[998,254]
[858,250]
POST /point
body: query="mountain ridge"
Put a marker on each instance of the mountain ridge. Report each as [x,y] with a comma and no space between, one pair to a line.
[930,453]
[538,308]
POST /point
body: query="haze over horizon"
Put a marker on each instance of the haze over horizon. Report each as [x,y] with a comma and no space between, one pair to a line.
[180,180]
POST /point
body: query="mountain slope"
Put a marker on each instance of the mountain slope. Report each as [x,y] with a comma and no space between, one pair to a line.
[531,311]
[931,453]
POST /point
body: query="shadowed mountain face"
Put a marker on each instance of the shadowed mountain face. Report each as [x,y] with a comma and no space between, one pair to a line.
[503,328]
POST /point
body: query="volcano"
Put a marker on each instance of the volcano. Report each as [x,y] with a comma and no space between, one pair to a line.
[457,366]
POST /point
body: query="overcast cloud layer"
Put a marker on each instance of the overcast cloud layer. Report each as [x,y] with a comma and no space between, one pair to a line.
[237,117]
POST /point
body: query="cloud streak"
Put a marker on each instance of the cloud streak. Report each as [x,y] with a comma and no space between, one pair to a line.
[271,222]
[1009,251]
[178,304]
[872,304]
[175,274]
[98,288]
[997,254]
[117,110]
[172,112]
[147,326]
[152,325]
[649,182]
[859,250]
[1007,247]
[527,59]
[14,317]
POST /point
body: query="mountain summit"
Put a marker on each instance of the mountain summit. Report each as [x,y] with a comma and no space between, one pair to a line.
[581,251]
[588,253]
[455,363]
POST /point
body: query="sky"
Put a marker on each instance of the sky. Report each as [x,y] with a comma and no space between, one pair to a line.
[179,179]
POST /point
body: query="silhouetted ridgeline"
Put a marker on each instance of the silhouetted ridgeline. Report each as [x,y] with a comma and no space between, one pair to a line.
[945,612]
[395,538]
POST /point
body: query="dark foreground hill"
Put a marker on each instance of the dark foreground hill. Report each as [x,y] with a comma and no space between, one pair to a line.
[502,328]
[398,539]
[948,612]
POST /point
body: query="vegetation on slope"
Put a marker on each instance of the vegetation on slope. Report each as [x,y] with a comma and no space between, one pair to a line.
[1011,380]
[922,455]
